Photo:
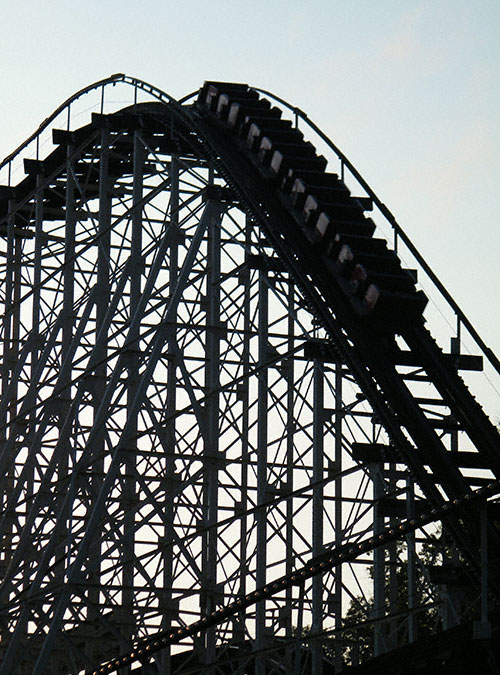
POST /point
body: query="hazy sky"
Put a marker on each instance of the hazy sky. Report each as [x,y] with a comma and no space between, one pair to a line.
[409,90]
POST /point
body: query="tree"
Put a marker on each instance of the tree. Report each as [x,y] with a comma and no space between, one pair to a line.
[437,559]
[359,624]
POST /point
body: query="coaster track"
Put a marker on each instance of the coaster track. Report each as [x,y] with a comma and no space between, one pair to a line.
[187,291]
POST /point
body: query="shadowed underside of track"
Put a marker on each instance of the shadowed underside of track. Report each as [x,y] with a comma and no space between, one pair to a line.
[349,280]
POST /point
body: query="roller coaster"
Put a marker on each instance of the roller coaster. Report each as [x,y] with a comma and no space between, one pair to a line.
[233,439]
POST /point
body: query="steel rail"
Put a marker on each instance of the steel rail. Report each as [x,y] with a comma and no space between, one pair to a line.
[111,80]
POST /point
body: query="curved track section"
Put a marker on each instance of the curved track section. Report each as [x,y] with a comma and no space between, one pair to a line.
[223,417]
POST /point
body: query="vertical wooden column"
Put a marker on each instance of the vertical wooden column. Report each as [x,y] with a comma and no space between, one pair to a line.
[262,479]
[98,384]
[166,599]
[338,512]
[317,511]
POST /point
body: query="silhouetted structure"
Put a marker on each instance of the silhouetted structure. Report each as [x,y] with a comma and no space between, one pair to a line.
[221,405]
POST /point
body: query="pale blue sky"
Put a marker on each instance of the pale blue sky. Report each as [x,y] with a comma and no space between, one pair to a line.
[409,90]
